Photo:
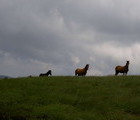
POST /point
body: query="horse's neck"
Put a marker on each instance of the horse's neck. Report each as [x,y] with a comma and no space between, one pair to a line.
[85,69]
[126,66]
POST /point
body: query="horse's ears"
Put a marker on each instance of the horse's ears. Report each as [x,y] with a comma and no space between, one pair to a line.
[127,62]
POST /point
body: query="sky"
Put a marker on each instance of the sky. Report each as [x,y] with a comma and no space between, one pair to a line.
[62,35]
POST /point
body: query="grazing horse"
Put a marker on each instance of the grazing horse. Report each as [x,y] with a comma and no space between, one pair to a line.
[81,72]
[122,69]
[46,74]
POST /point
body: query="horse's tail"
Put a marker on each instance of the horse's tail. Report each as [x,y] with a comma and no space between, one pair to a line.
[117,70]
[76,72]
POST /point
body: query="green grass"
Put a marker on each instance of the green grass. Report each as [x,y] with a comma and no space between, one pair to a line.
[70,98]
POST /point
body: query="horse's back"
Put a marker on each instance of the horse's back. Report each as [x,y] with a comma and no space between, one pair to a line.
[40,75]
[80,72]
[121,69]
[43,75]
[118,68]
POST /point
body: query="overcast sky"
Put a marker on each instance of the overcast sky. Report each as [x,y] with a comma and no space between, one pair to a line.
[62,35]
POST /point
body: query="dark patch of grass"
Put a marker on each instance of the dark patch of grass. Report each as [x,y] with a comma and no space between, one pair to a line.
[70,98]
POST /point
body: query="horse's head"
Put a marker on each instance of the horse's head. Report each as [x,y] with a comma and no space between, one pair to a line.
[127,63]
[87,66]
[50,72]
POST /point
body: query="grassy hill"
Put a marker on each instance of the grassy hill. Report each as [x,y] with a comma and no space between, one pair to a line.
[70,98]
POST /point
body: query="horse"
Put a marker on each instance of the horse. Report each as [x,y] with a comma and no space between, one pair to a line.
[81,71]
[46,74]
[122,69]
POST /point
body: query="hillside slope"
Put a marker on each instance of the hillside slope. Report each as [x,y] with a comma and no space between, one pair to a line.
[70,98]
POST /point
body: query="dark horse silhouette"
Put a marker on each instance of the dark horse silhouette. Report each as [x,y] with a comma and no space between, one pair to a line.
[122,69]
[46,74]
[81,71]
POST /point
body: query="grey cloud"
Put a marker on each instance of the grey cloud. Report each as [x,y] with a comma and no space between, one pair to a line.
[66,34]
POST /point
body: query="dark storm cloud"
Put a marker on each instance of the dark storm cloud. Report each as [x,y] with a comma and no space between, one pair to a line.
[64,34]
[117,20]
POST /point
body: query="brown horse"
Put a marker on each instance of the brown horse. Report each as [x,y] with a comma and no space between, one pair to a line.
[46,74]
[81,72]
[122,69]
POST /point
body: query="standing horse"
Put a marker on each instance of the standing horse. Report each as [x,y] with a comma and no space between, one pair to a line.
[122,69]
[46,74]
[81,72]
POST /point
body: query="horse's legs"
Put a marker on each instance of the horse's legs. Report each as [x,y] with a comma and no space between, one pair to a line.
[116,73]
[76,72]
[125,73]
